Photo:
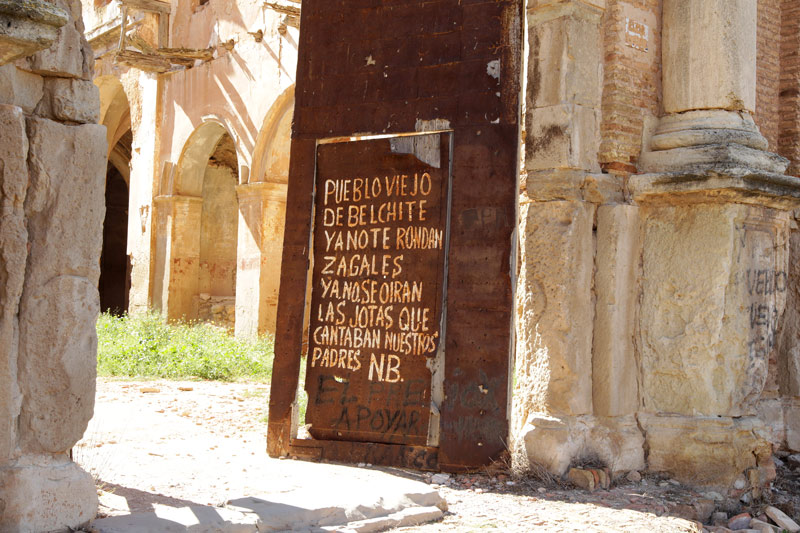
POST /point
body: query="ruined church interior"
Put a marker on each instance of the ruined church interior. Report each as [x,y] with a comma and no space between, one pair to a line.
[475,229]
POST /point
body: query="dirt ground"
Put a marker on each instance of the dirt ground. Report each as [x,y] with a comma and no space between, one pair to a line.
[185,443]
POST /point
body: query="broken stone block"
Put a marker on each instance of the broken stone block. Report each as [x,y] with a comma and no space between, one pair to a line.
[46,496]
[704,451]
[783,521]
[763,527]
[66,57]
[740,521]
[583,479]
[440,478]
[73,100]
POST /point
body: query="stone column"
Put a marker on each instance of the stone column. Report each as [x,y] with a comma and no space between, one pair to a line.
[144,111]
[709,89]
[553,417]
[52,174]
[715,207]
[177,268]
[262,210]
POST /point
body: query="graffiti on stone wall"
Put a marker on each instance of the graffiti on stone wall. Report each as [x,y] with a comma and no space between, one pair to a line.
[762,287]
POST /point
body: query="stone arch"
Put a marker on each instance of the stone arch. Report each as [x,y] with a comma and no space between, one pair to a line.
[262,204]
[271,153]
[115,266]
[197,230]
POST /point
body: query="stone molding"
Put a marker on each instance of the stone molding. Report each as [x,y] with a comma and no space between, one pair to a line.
[262,190]
[27,26]
[721,183]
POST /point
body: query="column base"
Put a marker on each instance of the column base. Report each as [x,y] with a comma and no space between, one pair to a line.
[731,454]
[717,183]
[725,452]
[555,442]
[46,496]
[697,141]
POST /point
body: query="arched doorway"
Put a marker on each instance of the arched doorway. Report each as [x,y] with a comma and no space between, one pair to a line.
[196,233]
[219,221]
[115,272]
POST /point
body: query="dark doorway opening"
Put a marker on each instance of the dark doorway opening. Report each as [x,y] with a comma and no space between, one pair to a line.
[115,266]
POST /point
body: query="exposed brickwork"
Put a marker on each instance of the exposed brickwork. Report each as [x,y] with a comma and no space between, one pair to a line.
[768,70]
[632,79]
[789,94]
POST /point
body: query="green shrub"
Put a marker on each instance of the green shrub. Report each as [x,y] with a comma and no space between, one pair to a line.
[145,346]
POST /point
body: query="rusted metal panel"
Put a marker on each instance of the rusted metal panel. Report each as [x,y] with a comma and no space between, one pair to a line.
[379,243]
[410,64]
[418,457]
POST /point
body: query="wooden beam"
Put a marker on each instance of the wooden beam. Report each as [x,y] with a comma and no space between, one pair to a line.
[204,54]
[146,62]
[154,6]
[135,40]
[284,9]
[122,27]
[163,30]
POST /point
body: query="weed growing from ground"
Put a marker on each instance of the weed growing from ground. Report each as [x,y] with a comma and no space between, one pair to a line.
[144,346]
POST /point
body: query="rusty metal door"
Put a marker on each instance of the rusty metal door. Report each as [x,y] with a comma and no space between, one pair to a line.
[387,89]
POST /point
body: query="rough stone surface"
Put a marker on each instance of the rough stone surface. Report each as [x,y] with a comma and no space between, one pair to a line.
[73,100]
[614,370]
[27,28]
[45,496]
[69,56]
[65,215]
[20,88]
[554,443]
[555,310]
[713,285]
[563,136]
[13,252]
[788,356]
[711,156]
[709,55]
[792,417]
[704,451]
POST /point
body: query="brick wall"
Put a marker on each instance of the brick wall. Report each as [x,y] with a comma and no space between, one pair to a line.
[768,70]
[632,79]
[789,88]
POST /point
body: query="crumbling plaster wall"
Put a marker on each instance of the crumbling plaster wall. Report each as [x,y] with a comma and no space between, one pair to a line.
[52,170]
[650,318]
